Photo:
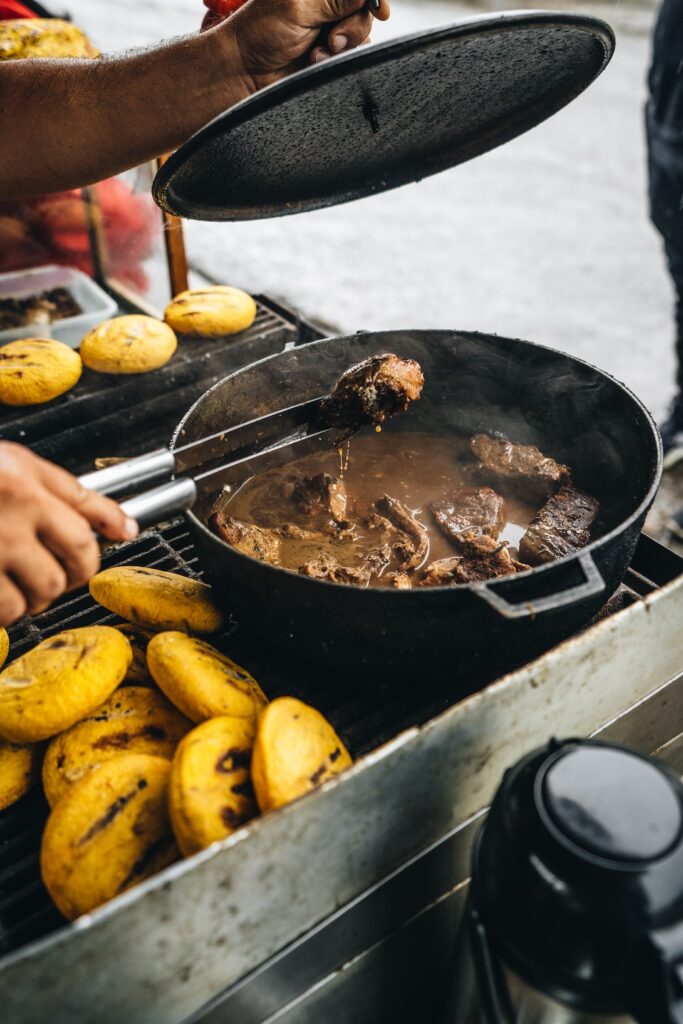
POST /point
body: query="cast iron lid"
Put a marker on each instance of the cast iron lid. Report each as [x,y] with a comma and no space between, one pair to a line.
[578,879]
[383,116]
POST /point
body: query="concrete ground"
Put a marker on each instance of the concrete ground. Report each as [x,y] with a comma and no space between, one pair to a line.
[547,238]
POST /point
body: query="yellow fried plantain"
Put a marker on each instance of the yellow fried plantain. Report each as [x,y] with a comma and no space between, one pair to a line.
[109,832]
[58,682]
[296,749]
[4,645]
[210,793]
[138,637]
[19,769]
[135,720]
[157,599]
[42,37]
[128,344]
[35,370]
[211,312]
[200,680]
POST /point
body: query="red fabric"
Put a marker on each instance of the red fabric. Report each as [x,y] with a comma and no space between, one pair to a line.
[218,10]
[53,229]
[15,9]
[223,7]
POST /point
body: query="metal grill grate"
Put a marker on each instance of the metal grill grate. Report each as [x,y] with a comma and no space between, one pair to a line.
[364,716]
[127,415]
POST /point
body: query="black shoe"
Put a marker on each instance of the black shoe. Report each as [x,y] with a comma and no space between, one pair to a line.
[672,433]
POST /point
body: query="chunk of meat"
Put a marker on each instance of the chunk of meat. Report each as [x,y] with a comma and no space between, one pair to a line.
[293,532]
[320,494]
[250,540]
[482,558]
[371,392]
[413,540]
[378,559]
[326,567]
[563,525]
[400,580]
[521,468]
[470,509]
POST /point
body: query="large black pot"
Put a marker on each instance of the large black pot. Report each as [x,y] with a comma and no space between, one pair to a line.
[474,382]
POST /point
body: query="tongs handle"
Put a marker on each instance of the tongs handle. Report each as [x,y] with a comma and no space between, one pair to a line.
[155,506]
[128,475]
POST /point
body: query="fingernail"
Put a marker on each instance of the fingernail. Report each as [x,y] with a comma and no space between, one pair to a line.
[320,56]
[339,43]
[131,528]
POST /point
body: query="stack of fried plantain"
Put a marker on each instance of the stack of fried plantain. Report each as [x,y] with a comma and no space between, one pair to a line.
[159,744]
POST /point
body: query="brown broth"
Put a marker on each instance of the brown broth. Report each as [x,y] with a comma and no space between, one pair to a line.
[416,468]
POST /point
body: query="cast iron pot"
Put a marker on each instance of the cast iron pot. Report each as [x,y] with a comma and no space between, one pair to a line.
[474,382]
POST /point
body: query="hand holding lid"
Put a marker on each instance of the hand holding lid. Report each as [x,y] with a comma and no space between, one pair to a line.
[381,116]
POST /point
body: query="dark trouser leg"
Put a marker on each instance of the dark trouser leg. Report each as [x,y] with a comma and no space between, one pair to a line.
[666,195]
[664,121]
[675,264]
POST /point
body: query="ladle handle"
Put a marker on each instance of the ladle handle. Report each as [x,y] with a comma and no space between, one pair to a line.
[155,506]
[528,608]
[128,475]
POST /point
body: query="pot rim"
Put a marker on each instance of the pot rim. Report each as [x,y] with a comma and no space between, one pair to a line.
[536,571]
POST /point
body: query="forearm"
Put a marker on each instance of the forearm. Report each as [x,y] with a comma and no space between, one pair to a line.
[66,123]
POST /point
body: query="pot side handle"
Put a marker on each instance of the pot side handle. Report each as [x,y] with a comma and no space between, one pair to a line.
[593,585]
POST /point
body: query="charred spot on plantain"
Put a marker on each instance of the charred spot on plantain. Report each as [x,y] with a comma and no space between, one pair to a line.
[244,789]
[85,651]
[116,740]
[154,732]
[317,775]
[61,760]
[120,740]
[146,859]
[54,645]
[233,759]
[230,818]
[110,814]
[335,755]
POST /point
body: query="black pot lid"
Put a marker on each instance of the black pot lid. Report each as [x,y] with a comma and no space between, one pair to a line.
[383,116]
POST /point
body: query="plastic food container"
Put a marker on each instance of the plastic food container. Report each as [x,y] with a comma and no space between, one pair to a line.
[95,303]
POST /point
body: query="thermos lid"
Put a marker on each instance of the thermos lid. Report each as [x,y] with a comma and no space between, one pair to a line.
[577,877]
[610,803]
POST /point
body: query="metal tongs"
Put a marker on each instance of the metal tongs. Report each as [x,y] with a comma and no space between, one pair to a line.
[255,446]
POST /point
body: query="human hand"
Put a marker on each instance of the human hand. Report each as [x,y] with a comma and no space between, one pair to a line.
[46,541]
[273,38]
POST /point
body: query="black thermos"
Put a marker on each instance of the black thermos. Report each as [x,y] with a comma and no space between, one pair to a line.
[575,910]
